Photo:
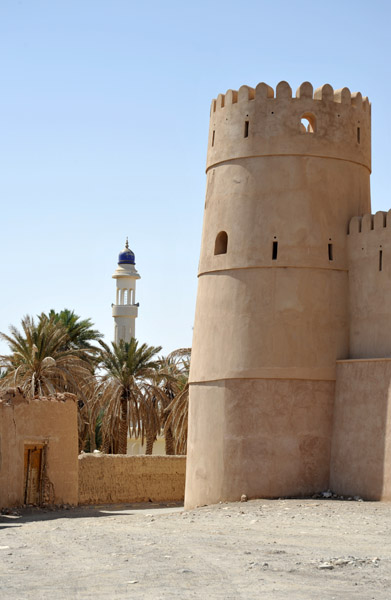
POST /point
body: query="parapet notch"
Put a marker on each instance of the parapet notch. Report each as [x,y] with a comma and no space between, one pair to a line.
[283,91]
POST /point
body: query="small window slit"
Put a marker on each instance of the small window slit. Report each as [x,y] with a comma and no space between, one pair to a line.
[213,137]
[246,126]
[358,135]
[275,250]
[331,252]
[380,260]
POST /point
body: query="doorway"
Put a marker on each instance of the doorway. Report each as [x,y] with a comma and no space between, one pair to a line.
[33,467]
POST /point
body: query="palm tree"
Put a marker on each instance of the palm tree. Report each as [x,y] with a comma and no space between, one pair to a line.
[127,395]
[40,362]
[172,376]
[80,331]
[175,415]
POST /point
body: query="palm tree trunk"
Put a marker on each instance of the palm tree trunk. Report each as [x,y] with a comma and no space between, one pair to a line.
[92,436]
[150,438]
[106,445]
[169,442]
[123,427]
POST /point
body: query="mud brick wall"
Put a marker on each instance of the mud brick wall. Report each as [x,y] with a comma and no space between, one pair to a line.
[117,478]
[49,423]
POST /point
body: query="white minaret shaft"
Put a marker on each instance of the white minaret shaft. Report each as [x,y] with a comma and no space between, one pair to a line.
[125,309]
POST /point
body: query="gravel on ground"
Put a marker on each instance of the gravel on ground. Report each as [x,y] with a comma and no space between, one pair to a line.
[261,549]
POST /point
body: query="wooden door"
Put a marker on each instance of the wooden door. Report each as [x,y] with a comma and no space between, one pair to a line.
[32,473]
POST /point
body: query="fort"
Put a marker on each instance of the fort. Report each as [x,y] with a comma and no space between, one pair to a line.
[291,358]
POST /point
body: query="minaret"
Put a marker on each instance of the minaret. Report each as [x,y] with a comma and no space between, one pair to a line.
[125,309]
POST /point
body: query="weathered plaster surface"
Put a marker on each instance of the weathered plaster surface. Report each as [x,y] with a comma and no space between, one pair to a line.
[108,478]
[51,421]
[263,438]
[361,447]
[370,285]
[273,309]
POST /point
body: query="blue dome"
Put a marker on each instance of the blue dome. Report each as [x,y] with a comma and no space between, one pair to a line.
[126,257]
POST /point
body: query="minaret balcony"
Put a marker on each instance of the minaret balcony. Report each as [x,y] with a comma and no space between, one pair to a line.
[124,310]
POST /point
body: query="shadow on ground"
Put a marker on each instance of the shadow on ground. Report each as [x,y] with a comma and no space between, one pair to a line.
[18,516]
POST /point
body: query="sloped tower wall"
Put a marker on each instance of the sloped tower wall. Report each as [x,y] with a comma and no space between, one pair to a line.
[272,304]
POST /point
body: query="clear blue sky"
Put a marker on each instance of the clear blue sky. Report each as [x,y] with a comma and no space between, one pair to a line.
[104,111]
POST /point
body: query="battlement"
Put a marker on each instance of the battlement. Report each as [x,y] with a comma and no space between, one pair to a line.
[377,222]
[260,121]
[369,248]
[264,92]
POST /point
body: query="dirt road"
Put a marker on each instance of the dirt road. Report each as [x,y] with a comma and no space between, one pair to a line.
[280,549]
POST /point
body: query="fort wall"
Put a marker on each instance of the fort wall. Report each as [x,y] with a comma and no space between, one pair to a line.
[369,244]
[361,445]
[260,437]
[284,178]
[279,123]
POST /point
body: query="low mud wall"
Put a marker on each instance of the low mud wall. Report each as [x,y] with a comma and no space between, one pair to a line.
[117,478]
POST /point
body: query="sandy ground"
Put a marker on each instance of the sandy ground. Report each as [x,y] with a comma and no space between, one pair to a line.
[294,549]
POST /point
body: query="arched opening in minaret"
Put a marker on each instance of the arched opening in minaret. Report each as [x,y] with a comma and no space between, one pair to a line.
[125,297]
[221,243]
[308,123]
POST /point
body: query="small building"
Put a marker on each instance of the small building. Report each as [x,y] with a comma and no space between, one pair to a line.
[38,449]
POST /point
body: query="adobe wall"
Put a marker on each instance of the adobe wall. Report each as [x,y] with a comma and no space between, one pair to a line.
[361,444]
[274,123]
[51,421]
[272,301]
[270,323]
[114,478]
[263,438]
[369,245]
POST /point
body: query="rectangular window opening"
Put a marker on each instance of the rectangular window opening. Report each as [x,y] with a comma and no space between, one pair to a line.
[213,138]
[330,251]
[358,135]
[380,260]
[275,250]
[246,124]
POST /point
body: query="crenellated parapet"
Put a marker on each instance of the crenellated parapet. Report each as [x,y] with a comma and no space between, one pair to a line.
[369,241]
[263,122]
[369,260]
[368,222]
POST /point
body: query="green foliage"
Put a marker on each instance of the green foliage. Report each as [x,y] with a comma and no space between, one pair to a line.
[80,331]
[40,361]
[133,392]
[175,373]
[127,393]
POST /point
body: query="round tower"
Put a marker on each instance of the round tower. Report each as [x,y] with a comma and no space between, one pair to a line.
[284,177]
[125,309]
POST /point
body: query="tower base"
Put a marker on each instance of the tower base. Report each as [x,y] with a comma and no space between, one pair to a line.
[265,438]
